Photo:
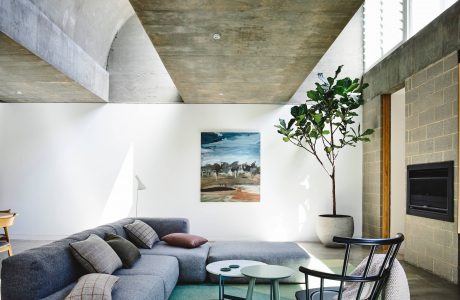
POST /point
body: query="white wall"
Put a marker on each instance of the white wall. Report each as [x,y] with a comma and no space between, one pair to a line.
[398,163]
[347,50]
[68,167]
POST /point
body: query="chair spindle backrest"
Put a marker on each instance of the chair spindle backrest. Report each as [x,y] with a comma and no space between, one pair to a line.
[392,246]
[390,249]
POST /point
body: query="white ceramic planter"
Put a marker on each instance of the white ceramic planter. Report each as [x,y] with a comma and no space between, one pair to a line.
[328,226]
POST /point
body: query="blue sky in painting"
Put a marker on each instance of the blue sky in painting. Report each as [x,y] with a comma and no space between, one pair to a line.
[217,147]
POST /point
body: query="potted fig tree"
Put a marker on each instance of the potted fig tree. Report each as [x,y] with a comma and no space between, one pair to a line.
[322,126]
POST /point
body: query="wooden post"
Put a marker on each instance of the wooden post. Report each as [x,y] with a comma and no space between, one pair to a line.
[386,165]
[458,149]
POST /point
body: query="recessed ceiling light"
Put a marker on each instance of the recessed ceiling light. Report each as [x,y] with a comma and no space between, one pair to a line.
[221,94]
[19,92]
[216,36]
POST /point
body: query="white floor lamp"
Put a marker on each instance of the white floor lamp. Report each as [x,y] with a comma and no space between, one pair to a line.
[140,187]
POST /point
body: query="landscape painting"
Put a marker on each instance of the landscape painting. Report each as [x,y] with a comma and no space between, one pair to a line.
[230,167]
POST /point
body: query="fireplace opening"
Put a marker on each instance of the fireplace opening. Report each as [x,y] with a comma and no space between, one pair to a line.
[430,190]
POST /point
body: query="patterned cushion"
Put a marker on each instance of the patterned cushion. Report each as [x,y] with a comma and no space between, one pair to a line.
[93,287]
[95,255]
[141,234]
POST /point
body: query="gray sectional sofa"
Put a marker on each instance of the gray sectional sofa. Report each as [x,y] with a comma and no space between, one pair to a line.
[50,272]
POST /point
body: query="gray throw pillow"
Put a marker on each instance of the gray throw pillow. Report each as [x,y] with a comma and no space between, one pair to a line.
[93,287]
[95,255]
[141,234]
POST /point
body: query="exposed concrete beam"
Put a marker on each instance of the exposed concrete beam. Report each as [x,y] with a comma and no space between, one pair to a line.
[25,23]
[24,77]
[438,39]
[91,24]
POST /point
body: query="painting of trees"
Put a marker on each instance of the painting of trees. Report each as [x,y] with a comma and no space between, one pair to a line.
[230,167]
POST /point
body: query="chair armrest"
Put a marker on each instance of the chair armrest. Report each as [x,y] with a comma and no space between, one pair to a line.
[164,226]
[337,277]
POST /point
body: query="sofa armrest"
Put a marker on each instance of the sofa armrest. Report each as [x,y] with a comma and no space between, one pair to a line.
[164,226]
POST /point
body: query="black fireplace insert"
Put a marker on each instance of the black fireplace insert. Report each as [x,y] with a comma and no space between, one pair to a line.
[430,190]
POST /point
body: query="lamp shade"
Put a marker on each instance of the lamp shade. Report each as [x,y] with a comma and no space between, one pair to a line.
[140,185]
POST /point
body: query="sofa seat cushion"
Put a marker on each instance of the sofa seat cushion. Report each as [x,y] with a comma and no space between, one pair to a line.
[164,267]
[140,287]
[286,254]
[192,262]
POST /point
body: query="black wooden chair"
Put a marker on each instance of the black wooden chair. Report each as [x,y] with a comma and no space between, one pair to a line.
[388,247]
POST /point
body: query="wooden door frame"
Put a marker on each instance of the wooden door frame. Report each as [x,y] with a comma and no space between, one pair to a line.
[385,183]
[458,149]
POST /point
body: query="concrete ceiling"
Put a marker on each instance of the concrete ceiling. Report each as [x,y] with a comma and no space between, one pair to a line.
[267,47]
[25,77]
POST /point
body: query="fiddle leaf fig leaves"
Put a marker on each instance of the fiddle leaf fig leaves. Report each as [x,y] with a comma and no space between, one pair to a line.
[327,116]
[317,118]
[368,132]
[326,121]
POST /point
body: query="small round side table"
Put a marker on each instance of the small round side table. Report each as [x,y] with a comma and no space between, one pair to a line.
[271,272]
[215,268]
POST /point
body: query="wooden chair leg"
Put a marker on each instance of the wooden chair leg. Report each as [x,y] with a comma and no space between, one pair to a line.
[10,251]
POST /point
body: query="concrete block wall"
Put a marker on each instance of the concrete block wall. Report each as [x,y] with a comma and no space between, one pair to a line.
[432,136]
[372,153]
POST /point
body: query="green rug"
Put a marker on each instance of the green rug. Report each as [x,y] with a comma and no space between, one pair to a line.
[261,292]
[211,291]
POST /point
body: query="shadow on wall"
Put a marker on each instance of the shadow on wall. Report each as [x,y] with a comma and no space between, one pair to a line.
[305,206]
[298,187]
[62,169]
[121,199]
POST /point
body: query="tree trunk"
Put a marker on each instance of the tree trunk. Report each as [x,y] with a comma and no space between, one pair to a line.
[334,211]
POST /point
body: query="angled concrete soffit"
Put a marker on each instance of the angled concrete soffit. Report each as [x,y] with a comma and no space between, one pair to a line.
[23,22]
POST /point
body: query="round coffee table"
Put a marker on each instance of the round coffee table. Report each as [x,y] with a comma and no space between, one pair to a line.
[271,272]
[215,268]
